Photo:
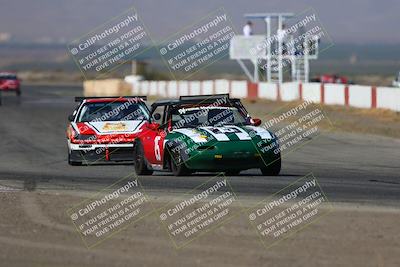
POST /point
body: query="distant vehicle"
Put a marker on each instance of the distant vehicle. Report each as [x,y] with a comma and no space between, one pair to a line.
[396,82]
[192,134]
[331,78]
[104,128]
[10,82]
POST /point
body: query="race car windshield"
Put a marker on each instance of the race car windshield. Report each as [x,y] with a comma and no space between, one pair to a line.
[115,111]
[8,77]
[207,116]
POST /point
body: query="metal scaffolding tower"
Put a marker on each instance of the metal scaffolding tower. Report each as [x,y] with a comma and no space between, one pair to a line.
[272,49]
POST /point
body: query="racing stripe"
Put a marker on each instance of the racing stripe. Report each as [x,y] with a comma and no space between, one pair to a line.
[263,133]
[242,135]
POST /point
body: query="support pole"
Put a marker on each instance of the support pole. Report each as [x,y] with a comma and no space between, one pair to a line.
[244,68]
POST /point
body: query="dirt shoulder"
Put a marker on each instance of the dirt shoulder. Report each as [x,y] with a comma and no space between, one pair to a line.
[35,231]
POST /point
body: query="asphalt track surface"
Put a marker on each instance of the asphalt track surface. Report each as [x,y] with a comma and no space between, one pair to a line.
[349,167]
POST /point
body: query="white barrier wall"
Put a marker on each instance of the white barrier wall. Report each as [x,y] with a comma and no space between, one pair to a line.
[207,87]
[153,88]
[144,90]
[222,87]
[289,91]
[334,94]
[312,92]
[162,88]
[239,89]
[360,96]
[268,90]
[172,89]
[183,87]
[195,88]
[135,87]
[387,97]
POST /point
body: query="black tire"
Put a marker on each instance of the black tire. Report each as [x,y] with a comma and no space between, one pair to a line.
[232,172]
[178,166]
[73,163]
[272,169]
[140,161]
[18,93]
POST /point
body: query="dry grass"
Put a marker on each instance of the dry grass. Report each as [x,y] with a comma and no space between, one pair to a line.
[369,121]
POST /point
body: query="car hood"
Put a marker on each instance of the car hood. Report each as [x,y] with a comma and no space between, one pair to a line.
[114,127]
[226,133]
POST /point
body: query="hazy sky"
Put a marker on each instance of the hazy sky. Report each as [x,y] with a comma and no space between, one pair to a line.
[349,21]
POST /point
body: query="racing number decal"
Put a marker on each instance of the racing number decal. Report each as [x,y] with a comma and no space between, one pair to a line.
[157,150]
[225,130]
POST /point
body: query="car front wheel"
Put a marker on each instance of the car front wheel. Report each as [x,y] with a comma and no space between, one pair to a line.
[272,169]
[73,163]
[140,161]
[178,166]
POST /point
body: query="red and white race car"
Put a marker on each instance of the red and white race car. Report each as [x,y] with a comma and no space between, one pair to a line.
[9,82]
[104,128]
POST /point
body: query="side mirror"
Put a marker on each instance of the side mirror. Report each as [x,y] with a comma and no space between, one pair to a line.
[156,116]
[153,126]
[255,122]
[71,117]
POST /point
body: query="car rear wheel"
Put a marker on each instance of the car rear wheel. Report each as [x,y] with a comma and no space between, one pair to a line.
[272,169]
[140,161]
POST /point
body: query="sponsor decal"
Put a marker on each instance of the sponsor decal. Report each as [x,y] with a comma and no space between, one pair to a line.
[120,126]
[196,136]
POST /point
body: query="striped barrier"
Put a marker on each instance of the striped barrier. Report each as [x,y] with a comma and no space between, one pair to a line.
[358,96]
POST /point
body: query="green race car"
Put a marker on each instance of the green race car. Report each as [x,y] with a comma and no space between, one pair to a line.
[203,134]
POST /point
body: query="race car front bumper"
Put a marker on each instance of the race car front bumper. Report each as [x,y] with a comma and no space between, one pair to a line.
[92,153]
[220,156]
[8,88]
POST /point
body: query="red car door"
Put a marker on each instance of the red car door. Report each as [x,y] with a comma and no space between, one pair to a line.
[153,140]
[153,144]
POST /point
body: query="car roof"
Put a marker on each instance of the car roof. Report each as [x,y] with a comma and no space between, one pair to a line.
[8,74]
[111,99]
[106,100]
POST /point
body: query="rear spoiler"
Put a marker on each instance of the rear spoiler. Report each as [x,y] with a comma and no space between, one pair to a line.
[203,97]
[81,98]
[208,98]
